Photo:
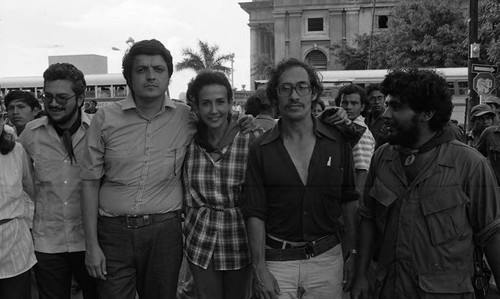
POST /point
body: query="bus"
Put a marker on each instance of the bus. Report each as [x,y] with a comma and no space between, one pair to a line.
[332,80]
[103,88]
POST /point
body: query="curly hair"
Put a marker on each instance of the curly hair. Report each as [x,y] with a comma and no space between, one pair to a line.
[66,71]
[423,90]
[275,74]
[145,47]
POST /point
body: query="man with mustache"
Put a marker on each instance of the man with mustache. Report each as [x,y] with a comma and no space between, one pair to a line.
[374,118]
[429,200]
[55,144]
[299,182]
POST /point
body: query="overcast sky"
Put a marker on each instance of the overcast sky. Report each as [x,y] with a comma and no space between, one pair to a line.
[32,30]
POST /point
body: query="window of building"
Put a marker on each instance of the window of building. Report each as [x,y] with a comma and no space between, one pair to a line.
[383,22]
[314,24]
[317,59]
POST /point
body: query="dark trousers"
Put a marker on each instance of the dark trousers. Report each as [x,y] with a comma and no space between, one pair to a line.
[54,272]
[17,287]
[145,259]
[228,284]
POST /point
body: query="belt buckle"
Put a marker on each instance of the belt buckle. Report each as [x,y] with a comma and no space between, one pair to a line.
[309,249]
[128,222]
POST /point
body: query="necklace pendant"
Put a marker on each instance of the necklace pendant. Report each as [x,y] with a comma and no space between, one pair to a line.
[410,159]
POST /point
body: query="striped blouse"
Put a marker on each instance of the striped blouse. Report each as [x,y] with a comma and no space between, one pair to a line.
[16,245]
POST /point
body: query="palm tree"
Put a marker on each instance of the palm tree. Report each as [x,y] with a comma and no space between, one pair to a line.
[207,58]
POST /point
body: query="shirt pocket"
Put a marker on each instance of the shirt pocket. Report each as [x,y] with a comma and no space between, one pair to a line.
[437,285]
[172,162]
[445,212]
[384,198]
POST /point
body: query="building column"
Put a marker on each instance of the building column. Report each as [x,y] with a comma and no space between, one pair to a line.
[295,29]
[254,49]
[279,36]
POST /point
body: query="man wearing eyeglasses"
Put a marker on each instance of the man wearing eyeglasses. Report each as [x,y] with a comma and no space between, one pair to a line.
[55,145]
[299,182]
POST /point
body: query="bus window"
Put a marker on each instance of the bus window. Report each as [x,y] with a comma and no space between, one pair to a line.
[119,91]
[451,87]
[463,87]
[104,91]
[90,92]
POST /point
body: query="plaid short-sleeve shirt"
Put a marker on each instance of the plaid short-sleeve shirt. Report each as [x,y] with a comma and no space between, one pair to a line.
[214,226]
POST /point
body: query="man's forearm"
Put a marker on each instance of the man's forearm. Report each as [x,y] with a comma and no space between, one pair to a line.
[256,239]
[366,245]
[90,205]
[350,219]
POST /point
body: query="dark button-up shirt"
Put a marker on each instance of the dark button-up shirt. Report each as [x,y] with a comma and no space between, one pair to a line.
[275,193]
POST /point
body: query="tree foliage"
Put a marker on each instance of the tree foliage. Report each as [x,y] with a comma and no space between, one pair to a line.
[208,57]
[262,65]
[426,33]
[489,32]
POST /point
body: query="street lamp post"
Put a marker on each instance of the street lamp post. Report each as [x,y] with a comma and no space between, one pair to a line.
[232,69]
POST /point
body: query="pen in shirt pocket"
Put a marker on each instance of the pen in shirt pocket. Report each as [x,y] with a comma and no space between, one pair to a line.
[329,163]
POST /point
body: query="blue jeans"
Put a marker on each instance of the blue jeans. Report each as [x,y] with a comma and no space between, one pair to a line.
[145,259]
[54,272]
[17,287]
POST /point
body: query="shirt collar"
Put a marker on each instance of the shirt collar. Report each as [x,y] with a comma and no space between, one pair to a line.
[320,130]
[44,121]
[129,103]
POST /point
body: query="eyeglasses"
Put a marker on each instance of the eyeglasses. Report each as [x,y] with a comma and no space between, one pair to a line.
[286,89]
[60,99]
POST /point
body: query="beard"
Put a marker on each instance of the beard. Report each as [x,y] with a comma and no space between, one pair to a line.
[63,119]
[404,135]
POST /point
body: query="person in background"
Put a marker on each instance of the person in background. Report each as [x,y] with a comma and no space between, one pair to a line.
[481,117]
[353,99]
[318,106]
[456,131]
[251,106]
[489,146]
[17,255]
[494,103]
[216,245]
[267,113]
[374,118]
[55,145]
[299,182]
[92,108]
[22,107]
[429,200]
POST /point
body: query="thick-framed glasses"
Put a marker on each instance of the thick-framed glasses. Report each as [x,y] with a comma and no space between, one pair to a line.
[286,89]
[60,99]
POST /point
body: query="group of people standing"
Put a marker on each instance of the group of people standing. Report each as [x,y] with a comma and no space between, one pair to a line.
[295,208]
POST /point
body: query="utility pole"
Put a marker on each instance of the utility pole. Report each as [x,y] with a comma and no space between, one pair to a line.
[473,58]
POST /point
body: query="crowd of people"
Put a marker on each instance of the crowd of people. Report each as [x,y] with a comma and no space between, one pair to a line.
[379,196]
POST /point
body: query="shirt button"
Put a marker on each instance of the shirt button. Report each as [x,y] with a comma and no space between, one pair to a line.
[65,203]
[65,182]
[305,213]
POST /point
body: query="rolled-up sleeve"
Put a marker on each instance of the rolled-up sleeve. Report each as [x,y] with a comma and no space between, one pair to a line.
[93,154]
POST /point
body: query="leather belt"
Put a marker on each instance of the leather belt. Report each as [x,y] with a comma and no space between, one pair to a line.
[136,221]
[303,252]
